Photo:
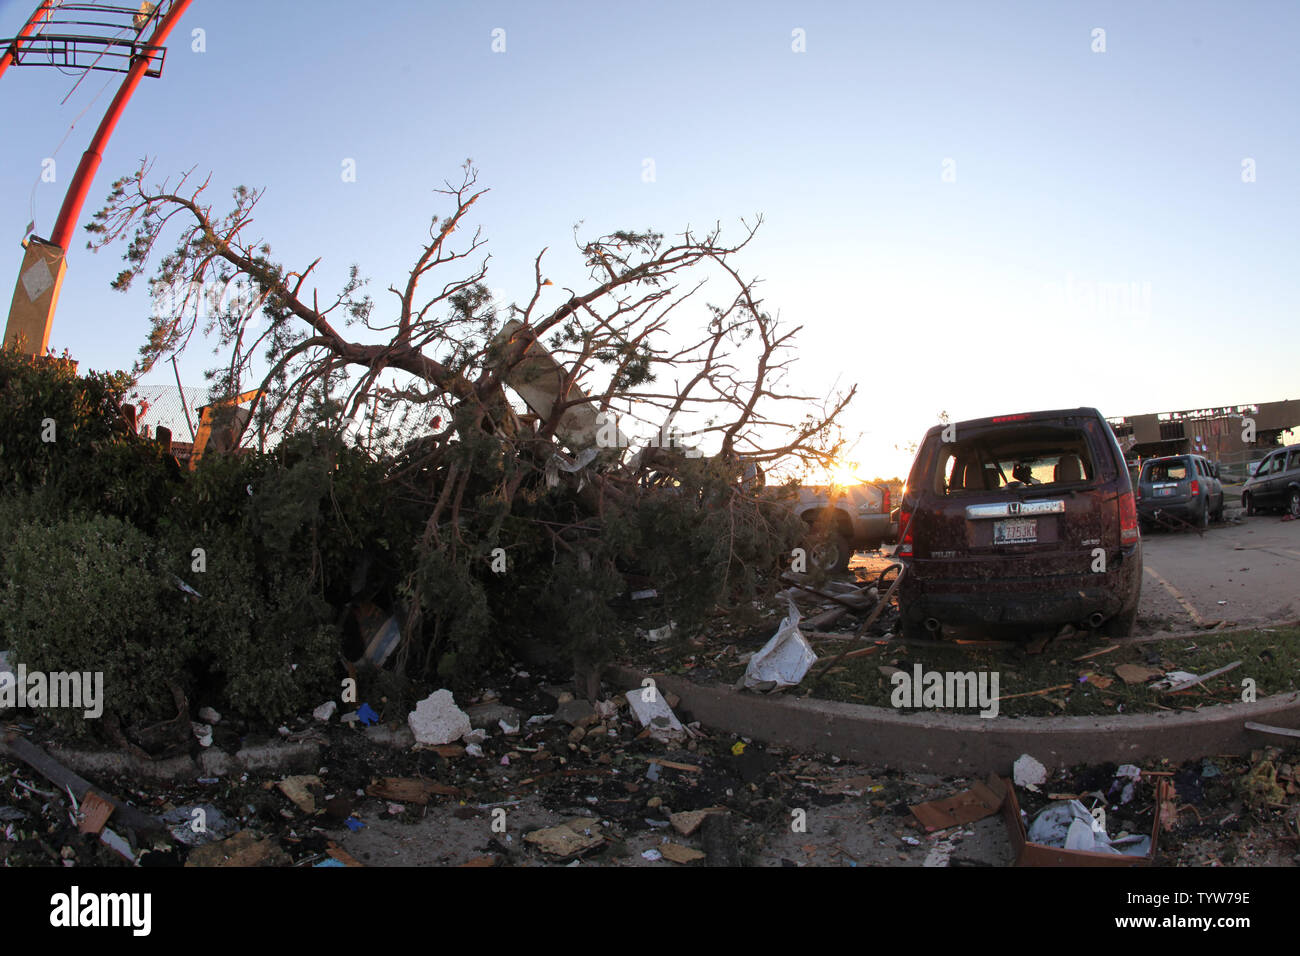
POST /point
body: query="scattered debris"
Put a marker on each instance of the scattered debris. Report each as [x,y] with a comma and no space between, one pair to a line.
[192,828]
[245,848]
[658,634]
[968,806]
[325,711]
[783,661]
[1071,826]
[385,640]
[653,713]
[117,845]
[1260,787]
[688,821]
[674,765]
[410,789]
[1181,680]
[1057,824]
[299,791]
[567,839]
[22,749]
[209,716]
[1028,773]
[1137,673]
[1130,775]
[680,854]
[95,811]
[492,713]
[437,720]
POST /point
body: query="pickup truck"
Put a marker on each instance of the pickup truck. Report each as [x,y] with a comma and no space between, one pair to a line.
[842,520]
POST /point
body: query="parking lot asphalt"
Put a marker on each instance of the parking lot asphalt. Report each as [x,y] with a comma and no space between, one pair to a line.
[1244,571]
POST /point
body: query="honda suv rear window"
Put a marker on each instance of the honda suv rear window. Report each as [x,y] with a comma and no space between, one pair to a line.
[1018,457]
[1173,470]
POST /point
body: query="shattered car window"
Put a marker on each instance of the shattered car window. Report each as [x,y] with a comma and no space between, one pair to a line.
[1012,458]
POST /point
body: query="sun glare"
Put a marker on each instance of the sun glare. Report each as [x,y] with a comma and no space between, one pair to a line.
[845,473]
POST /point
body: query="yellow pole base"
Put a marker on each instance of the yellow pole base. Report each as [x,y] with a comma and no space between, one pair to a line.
[36,296]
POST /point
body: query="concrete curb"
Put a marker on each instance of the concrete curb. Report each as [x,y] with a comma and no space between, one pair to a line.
[945,743]
[272,757]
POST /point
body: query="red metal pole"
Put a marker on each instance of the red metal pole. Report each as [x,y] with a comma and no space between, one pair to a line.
[91,158]
[8,56]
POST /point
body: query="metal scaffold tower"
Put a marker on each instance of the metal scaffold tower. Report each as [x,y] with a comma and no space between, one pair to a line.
[78,37]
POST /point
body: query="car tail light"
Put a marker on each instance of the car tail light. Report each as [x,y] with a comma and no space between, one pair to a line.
[905,533]
[1128,519]
[1196,489]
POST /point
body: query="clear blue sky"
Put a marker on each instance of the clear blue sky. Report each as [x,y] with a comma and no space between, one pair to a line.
[1097,247]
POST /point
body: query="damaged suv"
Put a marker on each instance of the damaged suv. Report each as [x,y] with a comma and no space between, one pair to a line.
[1184,486]
[1027,521]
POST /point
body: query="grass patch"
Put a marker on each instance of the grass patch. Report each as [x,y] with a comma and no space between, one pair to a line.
[1269,656]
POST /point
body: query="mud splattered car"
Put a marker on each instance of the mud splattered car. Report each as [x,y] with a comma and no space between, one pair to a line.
[1027,521]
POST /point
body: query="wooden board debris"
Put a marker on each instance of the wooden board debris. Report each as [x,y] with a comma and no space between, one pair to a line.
[95,811]
[687,822]
[680,854]
[674,765]
[567,839]
[299,791]
[343,856]
[1137,673]
[410,789]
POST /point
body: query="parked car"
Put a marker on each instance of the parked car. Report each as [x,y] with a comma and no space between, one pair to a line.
[1185,486]
[1275,483]
[842,520]
[1026,520]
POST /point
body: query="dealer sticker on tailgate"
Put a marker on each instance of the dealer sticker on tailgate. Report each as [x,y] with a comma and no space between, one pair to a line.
[1015,531]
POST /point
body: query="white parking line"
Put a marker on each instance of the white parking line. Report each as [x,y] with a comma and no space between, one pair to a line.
[1191,611]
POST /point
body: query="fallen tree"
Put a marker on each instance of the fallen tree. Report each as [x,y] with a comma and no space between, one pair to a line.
[509,430]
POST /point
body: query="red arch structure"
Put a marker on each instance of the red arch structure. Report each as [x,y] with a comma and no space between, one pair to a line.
[86,44]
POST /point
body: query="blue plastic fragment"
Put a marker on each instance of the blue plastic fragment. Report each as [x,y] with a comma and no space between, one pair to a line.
[354,824]
[367,716]
[316,866]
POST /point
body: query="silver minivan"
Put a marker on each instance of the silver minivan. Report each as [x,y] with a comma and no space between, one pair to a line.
[1275,483]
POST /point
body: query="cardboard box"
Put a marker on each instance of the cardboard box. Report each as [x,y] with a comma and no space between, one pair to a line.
[1036,854]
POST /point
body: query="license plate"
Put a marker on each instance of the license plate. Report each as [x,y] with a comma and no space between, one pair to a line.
[1164,492]
[1015,531]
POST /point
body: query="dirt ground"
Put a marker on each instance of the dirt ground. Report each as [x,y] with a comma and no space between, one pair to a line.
[624,793]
